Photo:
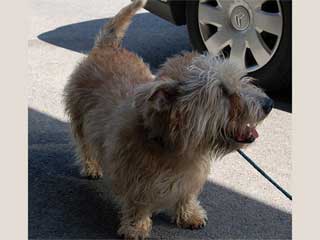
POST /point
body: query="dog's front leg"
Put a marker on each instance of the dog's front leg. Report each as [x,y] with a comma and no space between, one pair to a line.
[190,214]
[135,222]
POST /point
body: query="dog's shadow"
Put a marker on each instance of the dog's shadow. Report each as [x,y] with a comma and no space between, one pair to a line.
[149,36]
[62,205]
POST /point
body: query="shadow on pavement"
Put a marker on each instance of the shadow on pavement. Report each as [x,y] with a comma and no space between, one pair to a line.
[283,100]
[62,205]
[149,36]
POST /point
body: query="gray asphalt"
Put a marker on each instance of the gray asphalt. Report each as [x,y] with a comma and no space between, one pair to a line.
[62,205]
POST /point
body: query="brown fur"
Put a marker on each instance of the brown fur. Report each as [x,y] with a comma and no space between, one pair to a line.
[154,137]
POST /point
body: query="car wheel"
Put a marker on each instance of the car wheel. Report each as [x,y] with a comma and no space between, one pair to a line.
[254,33]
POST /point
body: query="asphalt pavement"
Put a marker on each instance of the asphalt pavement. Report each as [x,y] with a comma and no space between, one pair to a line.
[240,203]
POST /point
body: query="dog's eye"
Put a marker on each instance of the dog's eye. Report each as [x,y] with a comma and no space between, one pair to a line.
[225,90]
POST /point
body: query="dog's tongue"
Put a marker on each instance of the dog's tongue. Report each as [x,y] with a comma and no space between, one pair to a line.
[254,132]
[250,133]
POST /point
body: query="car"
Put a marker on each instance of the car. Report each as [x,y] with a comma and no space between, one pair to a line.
[254,33]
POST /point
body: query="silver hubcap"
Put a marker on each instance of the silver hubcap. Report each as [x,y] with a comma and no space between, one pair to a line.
[247,31]
[240,18]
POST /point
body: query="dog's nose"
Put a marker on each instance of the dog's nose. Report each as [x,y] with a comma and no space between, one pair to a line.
[267,105]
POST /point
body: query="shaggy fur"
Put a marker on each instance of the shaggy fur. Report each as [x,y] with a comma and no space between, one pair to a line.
[154,137]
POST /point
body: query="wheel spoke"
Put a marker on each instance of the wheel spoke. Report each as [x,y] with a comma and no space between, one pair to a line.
[269,22]
[211,15]
[238,49]
[225,4]
[218,41]
[258,48]
[256,4]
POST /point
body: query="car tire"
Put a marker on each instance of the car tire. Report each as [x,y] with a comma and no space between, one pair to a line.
[276,74]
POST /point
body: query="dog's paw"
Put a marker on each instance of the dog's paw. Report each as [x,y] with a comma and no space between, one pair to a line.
[195,218]
[138,231]
[94,176]
[92,172]
[194,222]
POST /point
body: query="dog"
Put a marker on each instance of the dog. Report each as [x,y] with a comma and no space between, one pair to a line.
[154,137]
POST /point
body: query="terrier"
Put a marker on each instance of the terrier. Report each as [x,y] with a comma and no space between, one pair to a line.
[154,137]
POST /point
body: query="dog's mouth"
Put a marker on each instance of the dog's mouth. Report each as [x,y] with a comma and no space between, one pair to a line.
[247,135]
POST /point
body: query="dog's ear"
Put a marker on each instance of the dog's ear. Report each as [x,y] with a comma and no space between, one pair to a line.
[163,94]
[155,96]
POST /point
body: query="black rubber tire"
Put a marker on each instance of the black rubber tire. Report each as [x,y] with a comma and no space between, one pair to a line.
[276,75]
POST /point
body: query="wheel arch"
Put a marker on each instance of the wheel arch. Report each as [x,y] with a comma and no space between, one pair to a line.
[170,10]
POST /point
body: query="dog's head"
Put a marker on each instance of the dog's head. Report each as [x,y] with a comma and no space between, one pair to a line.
[215,108]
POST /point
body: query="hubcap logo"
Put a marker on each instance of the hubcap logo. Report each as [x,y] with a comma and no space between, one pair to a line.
[240,18]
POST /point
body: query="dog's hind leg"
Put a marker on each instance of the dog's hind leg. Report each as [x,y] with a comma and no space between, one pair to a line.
[91,166]
[87,158]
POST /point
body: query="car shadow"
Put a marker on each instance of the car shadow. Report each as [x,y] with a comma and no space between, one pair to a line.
[63,205]
[151,37]
[283,100]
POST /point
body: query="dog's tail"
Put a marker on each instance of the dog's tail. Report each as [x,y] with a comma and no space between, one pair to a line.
[113,32]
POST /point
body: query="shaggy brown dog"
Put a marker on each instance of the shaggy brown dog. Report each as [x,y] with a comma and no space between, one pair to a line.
[154,137]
